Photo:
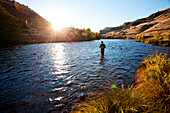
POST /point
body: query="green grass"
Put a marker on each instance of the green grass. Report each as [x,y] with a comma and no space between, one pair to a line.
[151,94]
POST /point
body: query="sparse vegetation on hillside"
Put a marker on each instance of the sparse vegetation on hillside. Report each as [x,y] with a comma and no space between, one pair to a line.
[157,22]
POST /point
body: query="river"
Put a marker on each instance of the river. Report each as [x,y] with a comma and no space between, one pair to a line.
[52,77]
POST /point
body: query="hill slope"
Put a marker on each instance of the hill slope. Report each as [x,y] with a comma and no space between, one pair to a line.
[19,24]
[25,14]
[157,22]
[10,32]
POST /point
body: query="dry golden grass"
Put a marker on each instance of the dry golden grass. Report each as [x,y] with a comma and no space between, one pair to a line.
[150,95]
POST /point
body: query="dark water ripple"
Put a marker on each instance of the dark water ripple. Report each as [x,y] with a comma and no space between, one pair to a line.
[53,77]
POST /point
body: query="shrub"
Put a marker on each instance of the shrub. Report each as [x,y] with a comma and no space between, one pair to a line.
[157,35]
[152,41]
[140,37]
[166,44]
[166,36]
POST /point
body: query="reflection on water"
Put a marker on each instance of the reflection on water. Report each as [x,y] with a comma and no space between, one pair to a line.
[58,57]
[53,77]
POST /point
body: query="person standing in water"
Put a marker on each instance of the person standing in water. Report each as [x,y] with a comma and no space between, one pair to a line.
[102,47]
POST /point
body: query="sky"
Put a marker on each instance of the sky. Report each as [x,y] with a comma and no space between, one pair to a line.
[94,14]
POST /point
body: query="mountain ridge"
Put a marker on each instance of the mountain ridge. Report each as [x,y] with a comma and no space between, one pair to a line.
[156,22]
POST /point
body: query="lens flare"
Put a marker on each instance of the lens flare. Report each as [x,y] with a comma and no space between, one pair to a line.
[114,86]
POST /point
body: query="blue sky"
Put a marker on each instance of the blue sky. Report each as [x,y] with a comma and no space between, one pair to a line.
[94,14]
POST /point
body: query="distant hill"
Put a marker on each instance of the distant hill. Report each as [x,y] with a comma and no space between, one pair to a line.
[157,22]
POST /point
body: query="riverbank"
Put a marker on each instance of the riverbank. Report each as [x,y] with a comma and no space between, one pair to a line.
[36,40]
[158,39]
[150,94]
[41,42]
[165,43]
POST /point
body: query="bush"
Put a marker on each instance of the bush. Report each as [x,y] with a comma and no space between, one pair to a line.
[151,41]
[166,36]
[157,35]
[161,37]
[166,44]
[140,37]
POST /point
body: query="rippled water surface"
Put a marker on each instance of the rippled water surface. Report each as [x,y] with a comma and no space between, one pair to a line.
[53,77]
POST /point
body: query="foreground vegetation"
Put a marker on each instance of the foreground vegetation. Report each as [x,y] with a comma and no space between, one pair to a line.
[151,94]
[158,39]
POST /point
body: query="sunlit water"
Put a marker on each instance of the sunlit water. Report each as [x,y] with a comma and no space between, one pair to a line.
[53,77]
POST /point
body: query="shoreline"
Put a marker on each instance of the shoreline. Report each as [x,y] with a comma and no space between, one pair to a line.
[145,41]
[137,98]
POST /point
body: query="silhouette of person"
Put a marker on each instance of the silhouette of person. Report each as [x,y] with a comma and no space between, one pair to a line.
[102,47]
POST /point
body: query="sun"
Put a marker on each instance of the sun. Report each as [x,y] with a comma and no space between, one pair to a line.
[57,26]
[60,21]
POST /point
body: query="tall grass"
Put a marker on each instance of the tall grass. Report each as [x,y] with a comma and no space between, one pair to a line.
[151,94]
[153,82]
[117,100]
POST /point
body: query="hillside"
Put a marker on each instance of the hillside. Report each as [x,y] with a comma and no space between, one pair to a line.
[10,33]
[21,25]
[25,15]
[157,22]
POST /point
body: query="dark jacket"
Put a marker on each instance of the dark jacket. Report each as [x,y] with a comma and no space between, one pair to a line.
[102,46]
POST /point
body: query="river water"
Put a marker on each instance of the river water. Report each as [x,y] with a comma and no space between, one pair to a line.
[52,77]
